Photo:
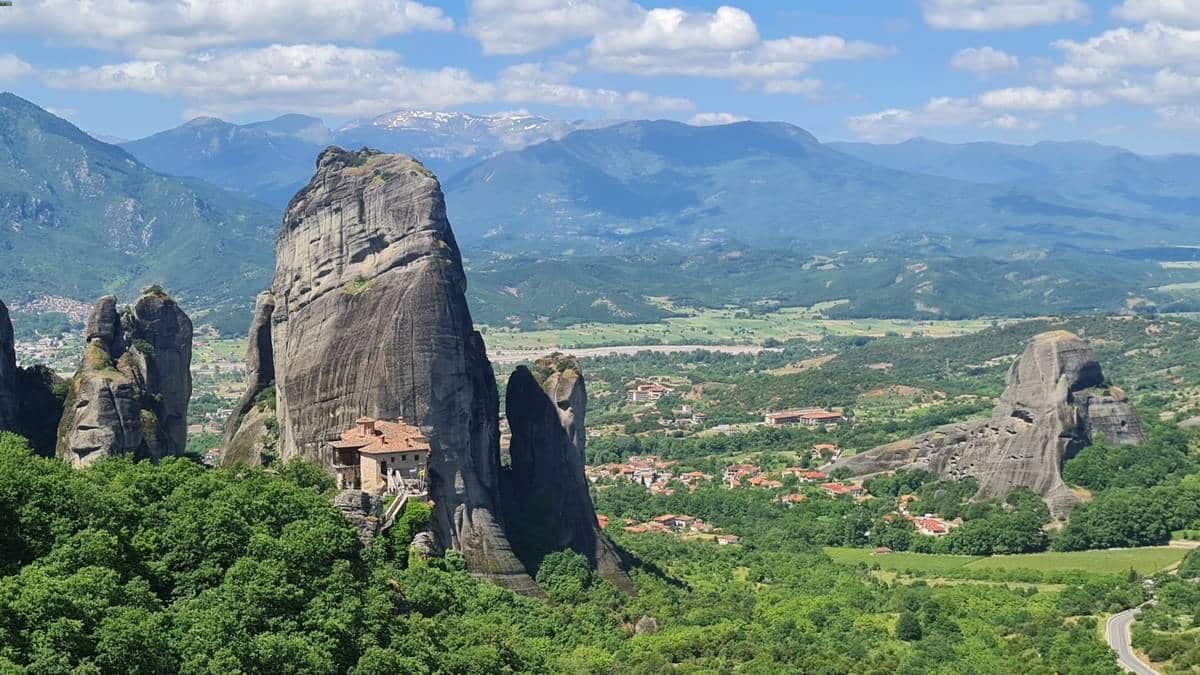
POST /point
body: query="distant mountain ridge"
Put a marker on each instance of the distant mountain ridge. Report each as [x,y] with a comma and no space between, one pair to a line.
[79,218]
[265,160]
[271,160]
[1104,176]
[762,183]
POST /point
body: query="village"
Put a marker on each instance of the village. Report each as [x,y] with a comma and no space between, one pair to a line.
[791,486]
[650,392]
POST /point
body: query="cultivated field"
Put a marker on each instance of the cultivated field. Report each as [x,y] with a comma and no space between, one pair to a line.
[721,327]
[1146,561]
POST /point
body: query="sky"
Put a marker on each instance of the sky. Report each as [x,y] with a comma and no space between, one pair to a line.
[1119,72]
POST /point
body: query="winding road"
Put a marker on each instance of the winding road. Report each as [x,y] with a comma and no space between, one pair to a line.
[1116,632]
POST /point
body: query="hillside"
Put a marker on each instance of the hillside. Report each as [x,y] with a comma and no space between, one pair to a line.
[448,142]
[271,160]
[760,183]
[266,160]
[82,218]
[1104,176]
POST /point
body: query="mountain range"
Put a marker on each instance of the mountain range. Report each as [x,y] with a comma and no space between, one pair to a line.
[271,160]
[622,210]
[80,218]
[767,184]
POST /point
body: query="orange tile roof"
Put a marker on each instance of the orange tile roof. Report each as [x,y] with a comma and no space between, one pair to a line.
[386,437]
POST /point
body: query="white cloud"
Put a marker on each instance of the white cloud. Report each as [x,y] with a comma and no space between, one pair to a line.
[1154,44]
[994,109]
[805,87]
[674,30]
[341,81]
[899,123]
[12,68]
[629,38]
[1181,12]
[532,82]
[525,26]
[984,60]
[1179,117]
[770,60]
[1036,99]
[155,28]
[712,119]
[1000,14]
[1164,86]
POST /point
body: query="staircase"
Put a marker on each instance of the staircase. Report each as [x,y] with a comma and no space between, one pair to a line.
[395,508]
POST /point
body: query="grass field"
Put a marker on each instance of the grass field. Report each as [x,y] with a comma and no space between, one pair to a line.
[722,327]
[1145,560]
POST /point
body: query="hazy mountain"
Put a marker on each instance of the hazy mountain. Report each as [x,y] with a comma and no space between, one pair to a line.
[448,142]
[271,160]
[763,183]
[81,217]
[266,160]
[1103,176]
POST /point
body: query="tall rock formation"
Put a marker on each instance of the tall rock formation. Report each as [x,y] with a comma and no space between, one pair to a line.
[546,493]
[370,318]
[1055,402]
[130,394]
[248,429]
[9,403]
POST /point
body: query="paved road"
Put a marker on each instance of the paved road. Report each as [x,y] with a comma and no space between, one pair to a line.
[510,356]
[1117,634]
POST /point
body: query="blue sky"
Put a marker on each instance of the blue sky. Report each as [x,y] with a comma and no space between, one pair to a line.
[1123,72]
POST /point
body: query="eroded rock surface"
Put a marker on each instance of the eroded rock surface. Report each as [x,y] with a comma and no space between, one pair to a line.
[130,394]
[1054,403]
[9,403]
[370,318]
[363,511]
[247,433]
[546,492]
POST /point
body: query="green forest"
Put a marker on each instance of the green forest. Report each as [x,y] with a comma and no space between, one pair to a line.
[133,568]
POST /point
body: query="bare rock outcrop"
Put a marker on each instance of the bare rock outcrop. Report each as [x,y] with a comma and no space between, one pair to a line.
[1055,403]
[546,493]
[9,402]
[370,318]
[363,510]
[130,393]
[247,429]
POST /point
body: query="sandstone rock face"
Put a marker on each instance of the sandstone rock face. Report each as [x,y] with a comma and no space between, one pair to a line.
[9,403]
[370,318]
[130,394]
[546,493]
[246,429]
[1053,405]
[363,511]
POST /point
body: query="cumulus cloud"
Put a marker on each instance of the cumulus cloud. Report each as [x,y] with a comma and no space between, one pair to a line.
[341,81]
[714,118]
[625,37]
[155,28]
[769,60]
[1000,14]
[983,61]
[12,68]
[674,30]
[1155,44]
[533,82]
[1180,12]
[995,109]
[526,26]
[1036,99]
[900,123]
[1164,86]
